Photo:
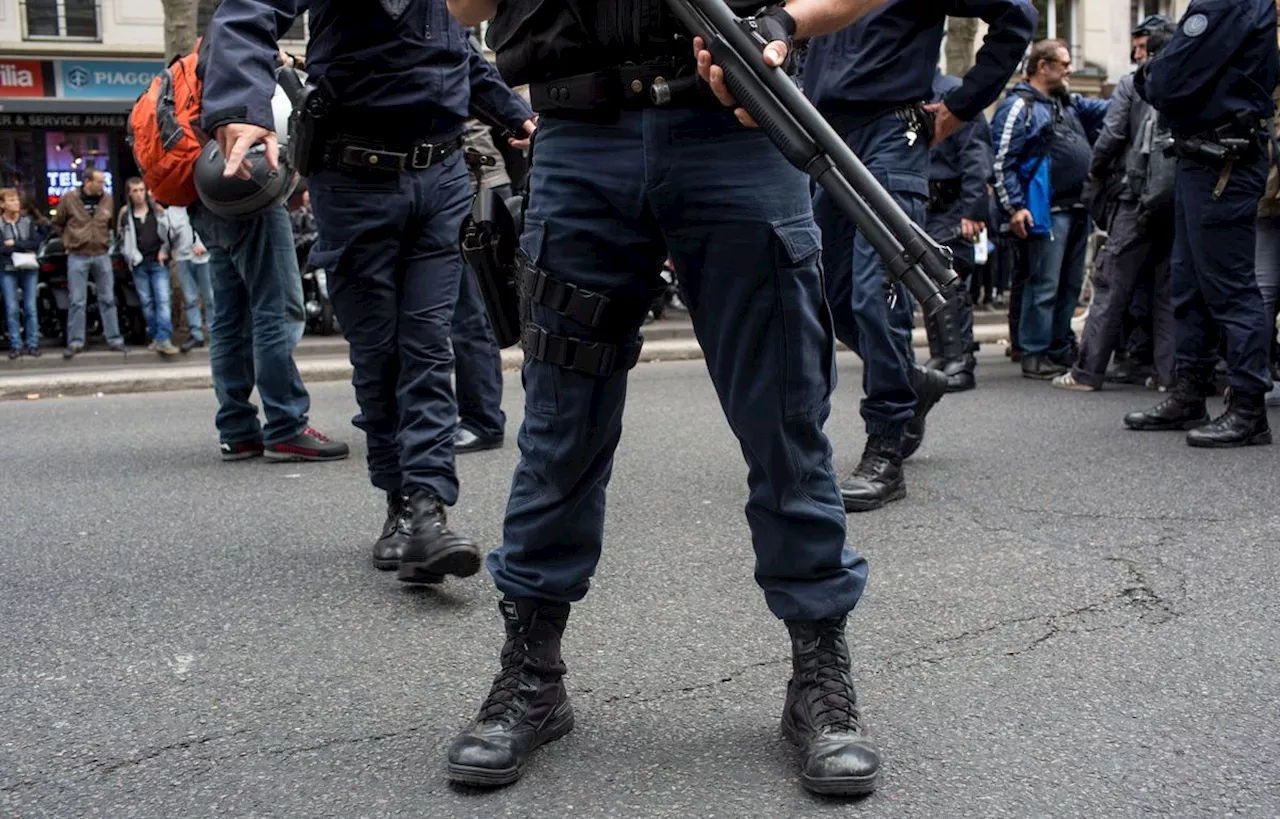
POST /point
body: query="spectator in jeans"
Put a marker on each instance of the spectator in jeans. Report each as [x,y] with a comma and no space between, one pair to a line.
[1043,138]
[83,220]
[19,234]
[193,274]
[257,322]
[143,229]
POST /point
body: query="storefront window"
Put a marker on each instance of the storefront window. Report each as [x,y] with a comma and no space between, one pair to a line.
[18,164]
[67,155]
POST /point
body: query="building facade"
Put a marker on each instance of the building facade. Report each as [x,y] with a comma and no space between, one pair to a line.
[70,71]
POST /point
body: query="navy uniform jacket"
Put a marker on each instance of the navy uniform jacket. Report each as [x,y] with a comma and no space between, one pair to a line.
[416,70]
[1223,60]
[888,58]
[965,157]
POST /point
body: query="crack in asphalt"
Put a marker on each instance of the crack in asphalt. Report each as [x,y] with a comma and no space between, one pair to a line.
[102,767]
[1136,593]
[639,696]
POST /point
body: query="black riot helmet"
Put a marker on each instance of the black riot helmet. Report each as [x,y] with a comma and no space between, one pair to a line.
[1150,24]
[235,198]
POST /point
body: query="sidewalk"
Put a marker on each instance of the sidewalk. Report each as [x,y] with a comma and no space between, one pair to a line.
[319,359]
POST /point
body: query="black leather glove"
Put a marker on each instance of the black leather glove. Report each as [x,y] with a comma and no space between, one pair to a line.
[775,23]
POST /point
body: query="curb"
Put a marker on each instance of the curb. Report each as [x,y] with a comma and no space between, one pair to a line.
[316,370]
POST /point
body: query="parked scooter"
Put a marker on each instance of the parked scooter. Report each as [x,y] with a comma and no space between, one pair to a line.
[315,288]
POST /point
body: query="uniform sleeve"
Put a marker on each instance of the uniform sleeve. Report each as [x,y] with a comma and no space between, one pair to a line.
[975,170]
[1009,138]
[1011,24]
[1114,136]
[239,77]
[493,97]
[1180,76]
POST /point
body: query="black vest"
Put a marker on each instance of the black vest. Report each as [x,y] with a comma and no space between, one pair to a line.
[539,40]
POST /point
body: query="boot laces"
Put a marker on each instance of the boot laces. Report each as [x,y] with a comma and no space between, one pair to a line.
[872,464]
[831,698]
[404,516]
[504,701]
[319,436]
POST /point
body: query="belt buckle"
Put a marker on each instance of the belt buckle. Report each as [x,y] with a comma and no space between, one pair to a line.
[418,165]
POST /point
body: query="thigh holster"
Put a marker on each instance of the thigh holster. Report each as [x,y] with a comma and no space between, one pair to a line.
[608,342]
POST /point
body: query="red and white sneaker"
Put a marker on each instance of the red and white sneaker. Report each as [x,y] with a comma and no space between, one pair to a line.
[307,445]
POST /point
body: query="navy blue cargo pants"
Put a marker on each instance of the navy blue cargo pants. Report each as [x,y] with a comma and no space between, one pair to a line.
[879,332]
[1215,289]
[608,202]
[390,244]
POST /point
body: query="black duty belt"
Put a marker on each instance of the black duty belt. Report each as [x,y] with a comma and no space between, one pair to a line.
[355,152]
[628,87]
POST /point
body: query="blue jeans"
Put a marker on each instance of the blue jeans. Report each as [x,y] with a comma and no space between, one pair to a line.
[78,270]
[257,322]
[29,281]
[608,203]
[1054,281]
[152,282]
[880,333]
[196,284]
[389,245]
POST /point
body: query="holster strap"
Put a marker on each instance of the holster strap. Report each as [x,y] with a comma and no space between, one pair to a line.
[583,306]
[594,358]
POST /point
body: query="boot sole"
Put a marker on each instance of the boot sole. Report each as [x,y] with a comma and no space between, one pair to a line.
[490,778]
[460,561]
[836,785]
[1181,426]
[1261,439]
[855,506]
[386,565]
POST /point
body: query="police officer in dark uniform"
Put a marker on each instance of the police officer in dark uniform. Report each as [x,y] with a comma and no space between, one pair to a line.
[959,170]
[389,190]
[635,160]
[871,81]
[1213,82]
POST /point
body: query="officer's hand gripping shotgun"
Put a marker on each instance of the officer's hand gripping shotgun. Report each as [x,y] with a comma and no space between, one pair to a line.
[810,144]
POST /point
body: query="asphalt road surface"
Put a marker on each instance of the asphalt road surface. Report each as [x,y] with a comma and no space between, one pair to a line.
[1064,619]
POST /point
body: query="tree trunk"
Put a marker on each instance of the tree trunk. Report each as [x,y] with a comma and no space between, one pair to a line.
[179,27]
[962,32]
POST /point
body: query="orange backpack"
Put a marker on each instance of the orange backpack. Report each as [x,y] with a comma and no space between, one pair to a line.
[164,131]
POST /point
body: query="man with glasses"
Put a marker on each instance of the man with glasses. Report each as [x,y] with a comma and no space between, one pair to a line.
[1044,137]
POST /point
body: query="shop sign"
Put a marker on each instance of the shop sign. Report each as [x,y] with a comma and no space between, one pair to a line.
[21,78]
[105,79]
[62,120]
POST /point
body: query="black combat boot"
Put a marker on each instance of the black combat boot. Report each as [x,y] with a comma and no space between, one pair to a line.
[1183,409]
[929,386]
[527,706]
[434,551]
[878,478]
[951,345]
[1243,424]
[395,534]
[821,716]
